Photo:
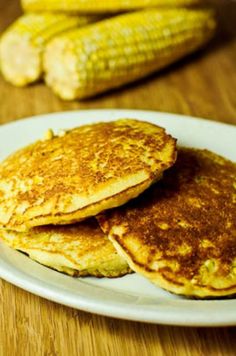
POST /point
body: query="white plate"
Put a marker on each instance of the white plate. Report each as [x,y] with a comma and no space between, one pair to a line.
[131,297]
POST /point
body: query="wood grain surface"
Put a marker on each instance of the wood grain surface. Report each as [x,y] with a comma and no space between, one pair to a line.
[203,85]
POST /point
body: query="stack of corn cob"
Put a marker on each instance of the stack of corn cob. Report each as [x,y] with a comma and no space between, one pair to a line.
[79,59]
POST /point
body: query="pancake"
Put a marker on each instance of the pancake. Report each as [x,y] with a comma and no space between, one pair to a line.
[181,233]
[78,250]
[69,177]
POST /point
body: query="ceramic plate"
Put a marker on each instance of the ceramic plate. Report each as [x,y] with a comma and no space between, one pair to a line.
[131,297]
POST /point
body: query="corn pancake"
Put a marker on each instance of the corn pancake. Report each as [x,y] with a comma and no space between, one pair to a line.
[79,250]
[181,233]
[67,178]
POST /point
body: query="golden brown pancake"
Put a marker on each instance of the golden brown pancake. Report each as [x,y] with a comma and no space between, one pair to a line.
[181,233]
[79,250]
[67,178]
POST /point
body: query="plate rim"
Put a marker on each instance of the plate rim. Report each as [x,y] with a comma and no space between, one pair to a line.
[46,291]
[111,311]
[114,110]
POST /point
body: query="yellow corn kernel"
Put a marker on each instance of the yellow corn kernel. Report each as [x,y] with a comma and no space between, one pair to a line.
[122,49]
[48,135]
[22,44]
[100,6]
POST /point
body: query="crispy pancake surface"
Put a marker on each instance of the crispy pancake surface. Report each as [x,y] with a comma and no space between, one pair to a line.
[181,233]
[79,250]
[67,178]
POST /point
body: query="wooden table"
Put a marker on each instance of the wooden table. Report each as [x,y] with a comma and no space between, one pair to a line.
[204,85]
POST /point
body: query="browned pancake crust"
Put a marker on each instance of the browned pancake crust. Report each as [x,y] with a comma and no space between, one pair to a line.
[181,233]
[91,168]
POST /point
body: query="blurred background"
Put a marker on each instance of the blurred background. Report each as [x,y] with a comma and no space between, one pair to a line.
[202,84]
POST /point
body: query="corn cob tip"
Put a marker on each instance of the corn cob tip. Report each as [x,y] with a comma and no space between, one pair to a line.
[19,61]
[22,44]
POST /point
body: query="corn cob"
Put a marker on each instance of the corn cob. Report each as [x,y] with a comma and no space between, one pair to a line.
[119,50]
[91,6]
[22,44]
